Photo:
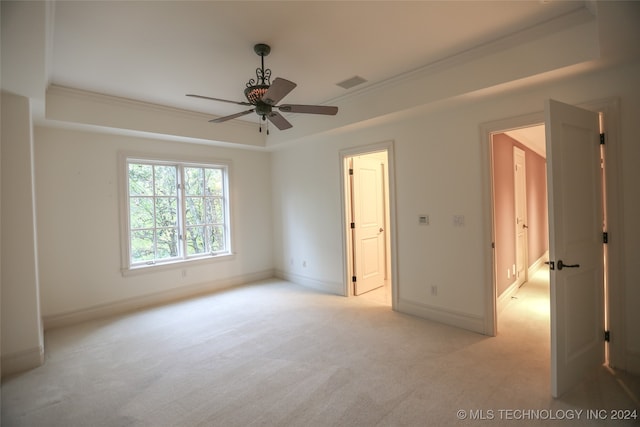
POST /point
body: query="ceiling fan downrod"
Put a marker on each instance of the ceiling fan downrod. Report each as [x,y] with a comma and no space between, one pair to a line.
[258,87]
[263,50]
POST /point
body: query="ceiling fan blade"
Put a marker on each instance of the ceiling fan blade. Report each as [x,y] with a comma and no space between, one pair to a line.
[278,90]
[279,121]
[218,99]
[232,116]
[309,109]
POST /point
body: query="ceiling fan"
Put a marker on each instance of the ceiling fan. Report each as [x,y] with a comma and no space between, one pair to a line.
[263,96]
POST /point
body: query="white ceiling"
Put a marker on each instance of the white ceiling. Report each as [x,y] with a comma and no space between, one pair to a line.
[158,51]
[532,137]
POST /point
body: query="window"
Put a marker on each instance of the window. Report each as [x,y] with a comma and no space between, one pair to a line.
[175,212]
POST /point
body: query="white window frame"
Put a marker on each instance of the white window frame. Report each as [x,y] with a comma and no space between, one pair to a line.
[127,267]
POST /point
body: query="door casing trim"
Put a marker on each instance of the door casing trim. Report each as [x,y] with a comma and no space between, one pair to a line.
[344,154]
[614,273]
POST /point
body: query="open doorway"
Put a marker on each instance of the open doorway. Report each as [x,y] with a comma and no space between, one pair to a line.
[520,215]
[575,181]
[368,224]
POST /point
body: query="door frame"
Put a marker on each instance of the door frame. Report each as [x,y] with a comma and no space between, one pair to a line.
[344,155]
[614,296]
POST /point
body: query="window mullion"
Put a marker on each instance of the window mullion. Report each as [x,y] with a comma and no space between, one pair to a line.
[183,212]
[154,197]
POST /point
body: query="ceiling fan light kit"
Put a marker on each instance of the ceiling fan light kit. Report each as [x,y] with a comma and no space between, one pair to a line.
[263,97]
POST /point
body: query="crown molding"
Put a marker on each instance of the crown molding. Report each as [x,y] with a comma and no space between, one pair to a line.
[78,106]
[559,23]
[555,45]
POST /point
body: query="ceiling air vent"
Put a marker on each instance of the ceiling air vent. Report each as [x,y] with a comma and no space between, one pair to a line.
[351,82]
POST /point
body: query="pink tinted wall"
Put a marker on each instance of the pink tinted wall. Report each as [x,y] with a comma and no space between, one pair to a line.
[504,208]
[537,215]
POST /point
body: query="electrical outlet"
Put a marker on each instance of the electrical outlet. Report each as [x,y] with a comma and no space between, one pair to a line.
[423,219]
[304,264]
[458,220]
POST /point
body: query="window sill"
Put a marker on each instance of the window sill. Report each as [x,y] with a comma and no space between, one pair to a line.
[175,265]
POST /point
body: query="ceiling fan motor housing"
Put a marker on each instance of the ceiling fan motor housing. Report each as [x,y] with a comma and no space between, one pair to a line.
[263,109]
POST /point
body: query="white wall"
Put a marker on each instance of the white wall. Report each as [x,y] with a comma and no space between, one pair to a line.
[24,38]
[78,224]
[630,233]
[22,339]
[439,168]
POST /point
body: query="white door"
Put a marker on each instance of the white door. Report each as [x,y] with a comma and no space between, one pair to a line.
[520,175]
[575,244]
[368,224]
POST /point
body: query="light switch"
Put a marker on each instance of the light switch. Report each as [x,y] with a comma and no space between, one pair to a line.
[423,219]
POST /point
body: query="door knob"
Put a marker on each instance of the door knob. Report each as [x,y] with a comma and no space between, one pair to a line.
[562,265]
[381,229]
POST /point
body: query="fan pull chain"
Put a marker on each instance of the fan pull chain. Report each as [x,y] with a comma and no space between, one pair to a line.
[266,123]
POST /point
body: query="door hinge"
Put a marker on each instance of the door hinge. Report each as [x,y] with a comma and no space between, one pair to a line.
[607,336]
[353,225]
[602,139]
[605,237]
[353,279]
[350,171]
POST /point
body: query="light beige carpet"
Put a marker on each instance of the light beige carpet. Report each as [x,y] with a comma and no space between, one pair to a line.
[276,354]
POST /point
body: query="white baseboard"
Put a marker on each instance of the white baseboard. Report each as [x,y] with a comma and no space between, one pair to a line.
[22,361]
[137,303]
[460,320]
[466,321]
[538,263]
[505,296]
[309,282]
